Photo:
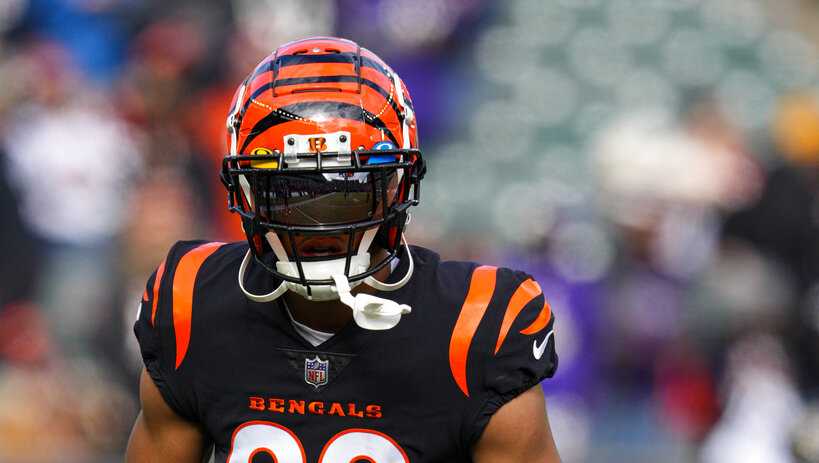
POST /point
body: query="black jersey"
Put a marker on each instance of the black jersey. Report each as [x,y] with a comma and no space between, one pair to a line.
[423,391]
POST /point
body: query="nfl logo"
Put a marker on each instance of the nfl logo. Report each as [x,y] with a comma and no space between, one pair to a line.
[315,371]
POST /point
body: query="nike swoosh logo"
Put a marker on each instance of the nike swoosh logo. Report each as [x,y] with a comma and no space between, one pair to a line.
[537,351]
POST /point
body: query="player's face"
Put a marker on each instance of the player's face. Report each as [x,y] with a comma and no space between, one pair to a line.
[325,199]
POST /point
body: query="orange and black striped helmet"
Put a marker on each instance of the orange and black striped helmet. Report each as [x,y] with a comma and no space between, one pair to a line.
[323,141]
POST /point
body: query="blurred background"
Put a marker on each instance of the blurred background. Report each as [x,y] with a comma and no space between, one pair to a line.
[653,163]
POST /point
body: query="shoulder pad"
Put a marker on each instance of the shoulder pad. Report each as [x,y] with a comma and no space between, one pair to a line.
[502,343]
[163,322]
[500,317]
[172,286]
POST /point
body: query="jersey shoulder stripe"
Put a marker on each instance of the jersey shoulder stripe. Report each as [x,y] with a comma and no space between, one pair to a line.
[526,292]
[157,283]
[496,299]
[164,324]
[479,294]
[542,320]
[184,280]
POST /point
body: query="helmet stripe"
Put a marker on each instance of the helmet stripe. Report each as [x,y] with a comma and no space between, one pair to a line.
[234,120]
[400,93]
[294,113]
[294,60]
[326,79]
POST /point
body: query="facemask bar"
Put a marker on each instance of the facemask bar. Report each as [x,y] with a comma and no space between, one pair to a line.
[408,164]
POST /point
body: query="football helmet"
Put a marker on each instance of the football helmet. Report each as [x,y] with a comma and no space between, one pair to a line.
[323,144]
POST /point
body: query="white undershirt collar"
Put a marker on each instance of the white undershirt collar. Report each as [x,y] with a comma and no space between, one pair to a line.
[314,337]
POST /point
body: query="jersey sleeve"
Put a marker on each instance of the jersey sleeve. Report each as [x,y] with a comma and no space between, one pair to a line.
[518,347]
[154,332]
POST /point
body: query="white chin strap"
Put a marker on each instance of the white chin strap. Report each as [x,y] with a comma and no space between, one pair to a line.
[369,312]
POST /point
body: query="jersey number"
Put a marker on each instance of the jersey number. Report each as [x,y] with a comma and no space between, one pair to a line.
[279,442]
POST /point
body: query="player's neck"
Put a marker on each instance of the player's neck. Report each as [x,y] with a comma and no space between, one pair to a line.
[329,316]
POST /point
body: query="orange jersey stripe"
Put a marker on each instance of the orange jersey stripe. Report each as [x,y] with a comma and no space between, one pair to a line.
[481,288]
[183,284]
[543,319]
[157,283]
[527,291]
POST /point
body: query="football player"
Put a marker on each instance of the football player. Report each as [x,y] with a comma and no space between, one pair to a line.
[326,338]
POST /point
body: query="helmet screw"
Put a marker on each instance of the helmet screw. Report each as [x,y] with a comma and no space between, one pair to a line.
[291,142]
[342,138]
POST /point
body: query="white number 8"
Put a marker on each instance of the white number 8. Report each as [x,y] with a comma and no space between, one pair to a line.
[350,446]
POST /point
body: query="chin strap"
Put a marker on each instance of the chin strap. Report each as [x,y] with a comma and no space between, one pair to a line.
[369,312]
[273,295]
[381,286]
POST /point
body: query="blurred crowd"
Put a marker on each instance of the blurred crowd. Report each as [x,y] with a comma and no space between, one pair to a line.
[654,164]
